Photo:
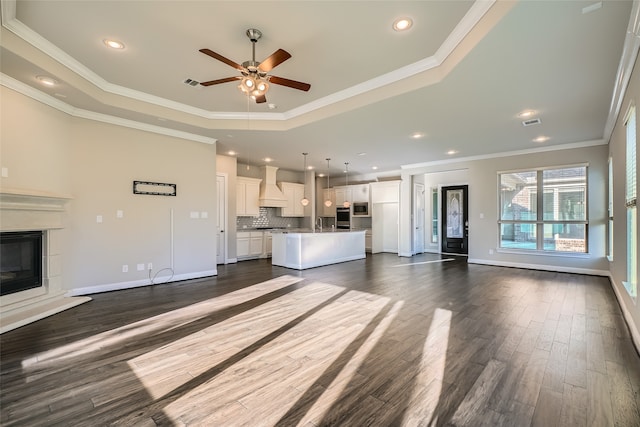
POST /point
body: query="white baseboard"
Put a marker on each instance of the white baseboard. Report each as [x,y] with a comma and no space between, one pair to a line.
[107,287]
[47,308]
[543,267]
[231,261]
[633,329]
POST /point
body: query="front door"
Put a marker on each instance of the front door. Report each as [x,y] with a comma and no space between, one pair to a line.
[455,224]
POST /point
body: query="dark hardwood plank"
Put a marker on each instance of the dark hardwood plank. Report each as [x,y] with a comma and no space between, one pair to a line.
[382,341]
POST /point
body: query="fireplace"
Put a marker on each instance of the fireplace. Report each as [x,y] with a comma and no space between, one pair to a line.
[20,261]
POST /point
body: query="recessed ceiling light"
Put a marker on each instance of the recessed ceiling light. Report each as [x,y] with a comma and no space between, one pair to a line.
[452,152]
[417,135]
[526,113]
[402,24]
[374,167]
[541,138]
[268,159]
[320,175]
[231,153]
[113,44]
[272,106]
[310,167]
[362,154]
[47,81]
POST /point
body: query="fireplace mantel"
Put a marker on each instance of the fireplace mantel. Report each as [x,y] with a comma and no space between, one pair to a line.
[33,210]
[19,199]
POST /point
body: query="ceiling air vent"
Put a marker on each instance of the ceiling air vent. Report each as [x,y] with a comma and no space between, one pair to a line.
[191,82]
[531,122]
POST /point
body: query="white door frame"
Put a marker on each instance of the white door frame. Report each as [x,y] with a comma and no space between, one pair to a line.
[225,213]
[418,193]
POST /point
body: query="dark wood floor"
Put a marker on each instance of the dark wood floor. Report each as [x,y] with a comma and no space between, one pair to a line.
[384,341]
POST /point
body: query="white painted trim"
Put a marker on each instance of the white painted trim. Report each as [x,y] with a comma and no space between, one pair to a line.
[543,267]
[570,146]
[633,329]
[232,260]
[42,97]
[625,68]
[108,287]
[39,311]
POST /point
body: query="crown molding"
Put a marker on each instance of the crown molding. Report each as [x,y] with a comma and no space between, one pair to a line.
[468,22]
[625,68]
[42,97]
[569,146]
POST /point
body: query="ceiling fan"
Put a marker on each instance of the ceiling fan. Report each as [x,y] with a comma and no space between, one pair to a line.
[255,77]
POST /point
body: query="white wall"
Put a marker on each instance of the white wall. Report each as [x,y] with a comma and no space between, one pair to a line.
[46,150]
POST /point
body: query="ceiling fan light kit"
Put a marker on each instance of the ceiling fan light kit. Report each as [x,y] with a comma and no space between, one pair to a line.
[255,78]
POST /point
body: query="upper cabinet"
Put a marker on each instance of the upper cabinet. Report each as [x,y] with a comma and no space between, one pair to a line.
[360,193]
[385,192]
[294,193]
[343,194]
[247,193]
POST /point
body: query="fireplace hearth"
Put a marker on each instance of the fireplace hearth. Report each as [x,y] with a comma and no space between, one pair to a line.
[20,261]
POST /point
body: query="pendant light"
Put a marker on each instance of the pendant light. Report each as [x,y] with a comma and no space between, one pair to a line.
[346,203]
[304,200]
[328,202]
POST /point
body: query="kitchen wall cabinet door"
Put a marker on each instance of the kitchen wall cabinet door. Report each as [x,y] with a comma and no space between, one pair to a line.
[343,194]
[247,193]
[294,193]
[360,193]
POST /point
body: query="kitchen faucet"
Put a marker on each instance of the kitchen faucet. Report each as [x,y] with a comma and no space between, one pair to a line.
[319,221]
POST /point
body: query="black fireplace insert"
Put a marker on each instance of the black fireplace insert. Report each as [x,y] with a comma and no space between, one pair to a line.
[20,261]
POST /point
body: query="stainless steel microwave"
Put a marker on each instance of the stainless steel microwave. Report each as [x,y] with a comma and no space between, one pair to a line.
[361,209]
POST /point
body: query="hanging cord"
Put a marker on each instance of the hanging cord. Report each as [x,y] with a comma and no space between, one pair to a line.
[152,280]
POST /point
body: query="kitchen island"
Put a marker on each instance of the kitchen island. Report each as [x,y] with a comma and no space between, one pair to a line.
[302,250]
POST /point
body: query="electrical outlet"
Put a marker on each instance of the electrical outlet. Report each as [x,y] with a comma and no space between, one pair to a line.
[99,219]
[140,267]
[125,268]
[119,214]
[490,251]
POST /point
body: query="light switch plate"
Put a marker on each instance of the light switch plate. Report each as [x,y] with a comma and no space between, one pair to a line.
[119,214]
[99,219]
[204,214]
[5,172]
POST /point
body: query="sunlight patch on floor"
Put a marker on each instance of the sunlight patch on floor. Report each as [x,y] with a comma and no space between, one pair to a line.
[118,337]
[424,262]
[268,380]
[430,375]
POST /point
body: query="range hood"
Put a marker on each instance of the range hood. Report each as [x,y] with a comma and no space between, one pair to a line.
[270,194]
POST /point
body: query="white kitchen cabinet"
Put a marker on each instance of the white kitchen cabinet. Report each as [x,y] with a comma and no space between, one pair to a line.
[385,192]
[360,193]
[343,194]
[367,240]
[249,244]
[294,193]
[268,244]
[247,193]
[242,244]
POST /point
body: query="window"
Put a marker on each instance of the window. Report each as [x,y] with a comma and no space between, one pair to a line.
[544,210]
[631,198]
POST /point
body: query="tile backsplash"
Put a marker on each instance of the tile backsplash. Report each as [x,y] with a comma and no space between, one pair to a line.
[268,218]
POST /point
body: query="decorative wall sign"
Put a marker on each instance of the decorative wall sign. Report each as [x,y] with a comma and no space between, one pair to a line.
[154,188]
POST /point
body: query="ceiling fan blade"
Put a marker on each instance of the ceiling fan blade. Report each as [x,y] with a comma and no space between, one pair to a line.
[222,59]
[290,83]
[217,82]
[260,99]
[276,58]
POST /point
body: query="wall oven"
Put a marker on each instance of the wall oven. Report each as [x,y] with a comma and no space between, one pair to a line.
[360,209]
[343,218]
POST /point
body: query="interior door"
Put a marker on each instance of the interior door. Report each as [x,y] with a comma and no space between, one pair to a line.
[221,219]
[455,223]
[418,218]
